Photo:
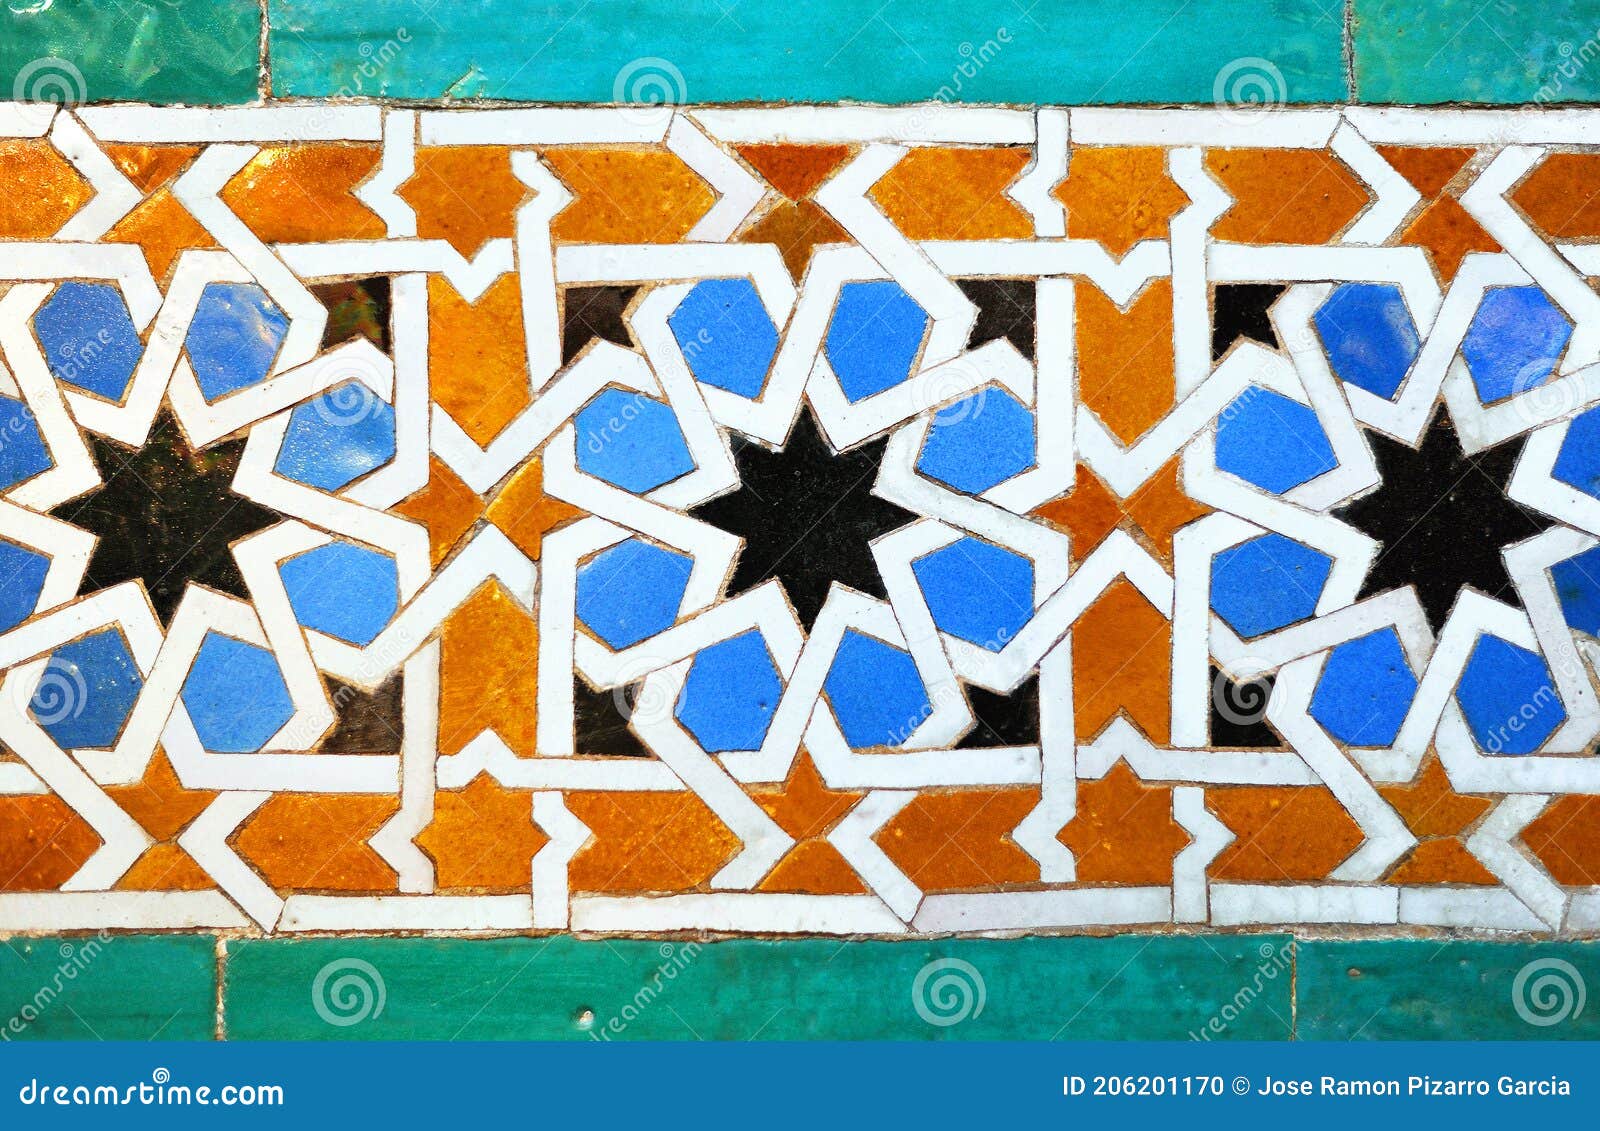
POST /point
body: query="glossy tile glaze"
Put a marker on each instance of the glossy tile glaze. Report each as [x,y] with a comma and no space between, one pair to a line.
[843,521]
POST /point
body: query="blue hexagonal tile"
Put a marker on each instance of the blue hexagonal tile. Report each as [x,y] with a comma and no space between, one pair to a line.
[88,338]
[234,337]
[1369,336]
[726,335]
[87,691]
[1578,462]
[730,693]
[22,449]
[875,692]
[1365,690]
[631,441]
[979,442]
[336,438]
[631,591]
[346,591]
[1508,697]
[1268,439]
[874,337]
[22,574]
[228,720]
[1514,342]
[1267,583]
[976,591]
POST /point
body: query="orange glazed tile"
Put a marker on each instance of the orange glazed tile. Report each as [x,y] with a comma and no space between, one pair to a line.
[165,867]
[42,190]
[1282,833]
[796,171]
[806,809]
[1448,233]
[161,805]
[1562,196]
[483,837]
[1427,169]
[42,842]
[960,839]
[477,359]
[1123,831]
[318,842]
[466,194]
[1125,360]
[955,194]
[446,506]
[797,230]
[304,193]
[162,228]
[1122,664]
[150,167]
[488,666]
[1441,819]
[1153,513]
[1119,195]
[1566,839]
[627,196]
[647,842]
[1284,195]
[525,514]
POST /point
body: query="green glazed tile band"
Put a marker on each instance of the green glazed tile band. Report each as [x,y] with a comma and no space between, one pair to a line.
[109,988]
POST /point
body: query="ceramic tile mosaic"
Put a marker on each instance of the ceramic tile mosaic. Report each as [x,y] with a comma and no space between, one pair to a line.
[802,520]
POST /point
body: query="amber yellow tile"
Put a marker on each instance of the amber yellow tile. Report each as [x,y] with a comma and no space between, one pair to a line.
[318,842]
[647,842]
[465,194]
[1125,358]
[482,838]
[488,666]
[952,193]
[1123,831]
[960,839]
[42,191]
[1119,195]
[477,359]
[304,193]
[627,195]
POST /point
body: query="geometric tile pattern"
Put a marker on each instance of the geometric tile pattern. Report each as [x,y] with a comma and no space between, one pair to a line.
[806,521]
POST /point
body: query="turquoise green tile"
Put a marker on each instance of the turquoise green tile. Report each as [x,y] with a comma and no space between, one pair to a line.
[193,51]
[1472,51]
[1414,990]
[1228,987]
[1089,51]
[108,988]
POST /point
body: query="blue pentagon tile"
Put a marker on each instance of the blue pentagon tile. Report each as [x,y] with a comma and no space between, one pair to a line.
[631,591]
[730,693]
[1365,690]
[1508,697]
[87,691]
[234,337]
[1514,342]
[875,691]
[1267,583]
[336,438]
[343,590]
[22,574]
[1578,462]
[726,335]
[1369,336]
[22,449]
[1272,441]
[979,442]
[227,721]
[874,337]
[977,592]
[88,338]
[1577,582]
[631,441]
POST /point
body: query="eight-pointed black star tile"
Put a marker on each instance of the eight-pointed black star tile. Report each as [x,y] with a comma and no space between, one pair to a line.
[165,515]
[1442,518]
[806,515]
